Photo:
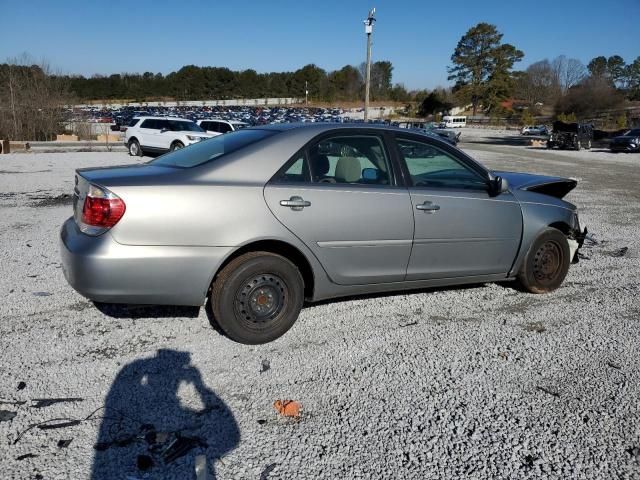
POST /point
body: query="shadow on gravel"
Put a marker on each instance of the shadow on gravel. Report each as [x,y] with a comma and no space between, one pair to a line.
[161,421]
[118,310]
[373,296]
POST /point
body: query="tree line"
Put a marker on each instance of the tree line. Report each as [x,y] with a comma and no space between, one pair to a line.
[192,82]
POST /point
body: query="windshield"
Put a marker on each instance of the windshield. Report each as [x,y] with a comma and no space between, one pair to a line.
[181,126]
[211,149]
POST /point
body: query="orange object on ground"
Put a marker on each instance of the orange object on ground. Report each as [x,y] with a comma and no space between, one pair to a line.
[288,408]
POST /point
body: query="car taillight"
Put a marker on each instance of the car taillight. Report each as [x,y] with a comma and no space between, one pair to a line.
[102,209]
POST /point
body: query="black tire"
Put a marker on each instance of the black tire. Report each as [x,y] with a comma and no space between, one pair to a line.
[135,150]
[546,263]
[176,146]
[589,145]
[578,145]
[257,297]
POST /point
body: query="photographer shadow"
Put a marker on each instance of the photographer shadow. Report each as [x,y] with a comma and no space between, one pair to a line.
[149,414]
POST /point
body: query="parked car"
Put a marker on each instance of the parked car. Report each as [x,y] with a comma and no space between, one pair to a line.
[161,134]
[218,127]
[259,220]
[629,142]
[535,130]
[575,136]
[447,134]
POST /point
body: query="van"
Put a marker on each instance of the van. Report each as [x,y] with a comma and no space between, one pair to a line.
[454,122]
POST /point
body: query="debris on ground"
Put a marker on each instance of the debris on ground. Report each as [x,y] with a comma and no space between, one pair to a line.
[144,462]
[202,470]
[7,415]
[620,252]
[180,446]
[47,402]
[42,294]
[548,390]
[64,443]
[21,385]
[409,324]
[12,402]
[264,475]
[288,408]
[26,455]
[266,365]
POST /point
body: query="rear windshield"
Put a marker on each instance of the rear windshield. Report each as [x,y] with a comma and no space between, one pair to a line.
[211,149]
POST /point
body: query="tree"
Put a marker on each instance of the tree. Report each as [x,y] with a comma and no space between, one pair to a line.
[538,83]
[568,72]
[435,102]
[612,69]
[592,96]
[481,66]
[632,79]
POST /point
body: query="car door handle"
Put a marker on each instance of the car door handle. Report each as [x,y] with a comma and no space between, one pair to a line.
[428,207]
[295,203]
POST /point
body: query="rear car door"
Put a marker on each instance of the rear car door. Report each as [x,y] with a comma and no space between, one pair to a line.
[340,197]
[148,133]
[460,229]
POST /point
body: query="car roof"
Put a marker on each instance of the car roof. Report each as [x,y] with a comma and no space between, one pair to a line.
[151,117]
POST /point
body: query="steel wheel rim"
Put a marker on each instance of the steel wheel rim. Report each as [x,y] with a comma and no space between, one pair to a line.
[261,299]
[177,146]
[133,148]
[547,262]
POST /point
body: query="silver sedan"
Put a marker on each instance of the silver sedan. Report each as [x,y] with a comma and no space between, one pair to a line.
[259,220]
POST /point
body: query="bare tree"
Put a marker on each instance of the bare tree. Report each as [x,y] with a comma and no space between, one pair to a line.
[35,99]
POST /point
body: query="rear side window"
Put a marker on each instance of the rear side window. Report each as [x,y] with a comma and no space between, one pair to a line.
[133,122]
[150,123]
[211,149]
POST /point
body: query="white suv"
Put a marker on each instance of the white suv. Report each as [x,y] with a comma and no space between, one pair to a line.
[161,134]
[216,126]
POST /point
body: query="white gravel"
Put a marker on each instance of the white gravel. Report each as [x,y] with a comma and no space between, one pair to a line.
[475,382]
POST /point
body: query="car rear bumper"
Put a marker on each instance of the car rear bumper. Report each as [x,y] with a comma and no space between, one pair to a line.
[624,147]
[103,270]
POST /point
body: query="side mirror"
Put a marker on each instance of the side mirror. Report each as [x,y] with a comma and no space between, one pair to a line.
[164,130]
[370,175]
[499,185]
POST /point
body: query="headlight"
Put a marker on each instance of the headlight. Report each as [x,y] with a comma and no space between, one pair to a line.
[194,138]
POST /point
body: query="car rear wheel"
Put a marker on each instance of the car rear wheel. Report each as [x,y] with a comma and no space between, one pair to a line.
[176,146]
[257,297]
[589,145]
[134,149]
[547,262]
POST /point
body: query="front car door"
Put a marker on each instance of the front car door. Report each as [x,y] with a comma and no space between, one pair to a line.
[340,197]
[460,229]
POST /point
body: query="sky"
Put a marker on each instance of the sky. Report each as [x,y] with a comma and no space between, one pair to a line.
[115,36]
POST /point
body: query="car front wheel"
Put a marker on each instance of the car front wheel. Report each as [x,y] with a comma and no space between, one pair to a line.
[547,262]
[176,146]
[257,297]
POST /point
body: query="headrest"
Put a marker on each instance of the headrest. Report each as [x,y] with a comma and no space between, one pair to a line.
[348,170]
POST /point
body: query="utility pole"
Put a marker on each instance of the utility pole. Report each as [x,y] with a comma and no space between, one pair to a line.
[306,93]
[368,29]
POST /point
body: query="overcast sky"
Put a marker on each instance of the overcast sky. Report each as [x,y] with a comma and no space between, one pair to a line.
[417,36]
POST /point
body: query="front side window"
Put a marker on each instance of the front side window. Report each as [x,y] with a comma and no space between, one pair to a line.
[150,123]
[432,167]
[182,126]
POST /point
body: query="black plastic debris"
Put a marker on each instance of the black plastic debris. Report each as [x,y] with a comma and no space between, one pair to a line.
[7,415]
[42,294]
[64,443]
[12,402]
[266,365]
[25,456]
[548,390]
[262,421]
[144,462]
[180,447]
[47,402]
[22,385]
[264,475]
[62,424]
[621,252]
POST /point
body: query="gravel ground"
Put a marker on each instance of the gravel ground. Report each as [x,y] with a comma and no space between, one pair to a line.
[474,382]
